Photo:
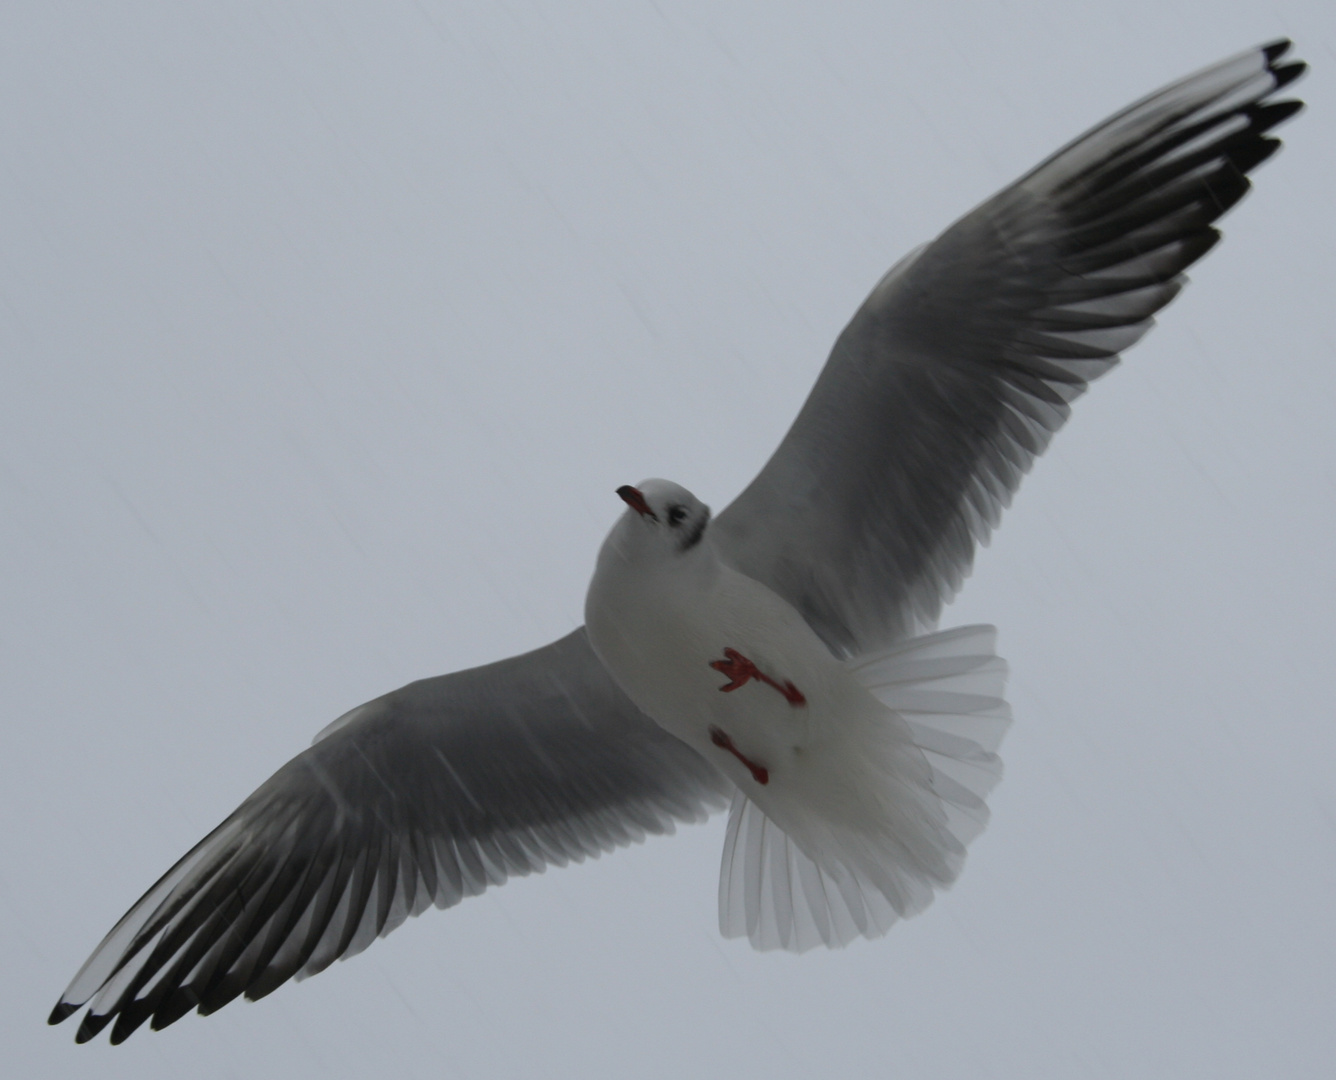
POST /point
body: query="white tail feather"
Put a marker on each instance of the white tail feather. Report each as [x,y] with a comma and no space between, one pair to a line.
[945,691]
[780,899]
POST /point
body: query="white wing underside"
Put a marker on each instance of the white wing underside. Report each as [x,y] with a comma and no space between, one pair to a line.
[947,689]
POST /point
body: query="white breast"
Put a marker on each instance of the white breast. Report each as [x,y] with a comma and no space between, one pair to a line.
[658,629]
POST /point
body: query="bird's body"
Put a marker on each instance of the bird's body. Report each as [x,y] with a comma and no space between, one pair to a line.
[733,670]
[659,618]
[776,655]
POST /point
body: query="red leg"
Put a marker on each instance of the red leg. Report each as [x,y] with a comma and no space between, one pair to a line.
[740,671]
[721,739]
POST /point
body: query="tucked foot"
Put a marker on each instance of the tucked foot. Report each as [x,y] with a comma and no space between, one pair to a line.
[721,739]
[741,670]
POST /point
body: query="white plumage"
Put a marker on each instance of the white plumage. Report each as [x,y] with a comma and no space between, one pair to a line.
[856,795]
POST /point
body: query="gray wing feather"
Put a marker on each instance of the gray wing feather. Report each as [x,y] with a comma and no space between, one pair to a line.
[424,796]
[963,362]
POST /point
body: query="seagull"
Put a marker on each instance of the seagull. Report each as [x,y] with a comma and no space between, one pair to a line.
[857,784]
[780,658]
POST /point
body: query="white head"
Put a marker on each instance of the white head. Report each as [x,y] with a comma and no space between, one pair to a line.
[663,522]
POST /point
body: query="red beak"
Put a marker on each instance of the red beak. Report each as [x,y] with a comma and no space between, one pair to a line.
[635,499]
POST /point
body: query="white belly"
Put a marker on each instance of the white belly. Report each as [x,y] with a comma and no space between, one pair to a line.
[658,638]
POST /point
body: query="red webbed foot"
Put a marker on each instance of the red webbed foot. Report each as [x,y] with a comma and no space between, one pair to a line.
[740,671]
[721,739]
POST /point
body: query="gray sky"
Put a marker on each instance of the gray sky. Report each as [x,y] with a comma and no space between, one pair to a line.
[326,333]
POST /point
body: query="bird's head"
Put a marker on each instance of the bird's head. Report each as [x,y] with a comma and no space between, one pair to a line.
[662,520]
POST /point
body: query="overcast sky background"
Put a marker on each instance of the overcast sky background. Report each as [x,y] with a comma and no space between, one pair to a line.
[326,333]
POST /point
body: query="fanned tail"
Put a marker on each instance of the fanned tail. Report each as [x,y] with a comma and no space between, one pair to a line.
[944,691]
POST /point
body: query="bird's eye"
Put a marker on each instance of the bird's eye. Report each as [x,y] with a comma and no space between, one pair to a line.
[676,515]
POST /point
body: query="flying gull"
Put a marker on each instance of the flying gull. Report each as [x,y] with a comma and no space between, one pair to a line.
[780,656]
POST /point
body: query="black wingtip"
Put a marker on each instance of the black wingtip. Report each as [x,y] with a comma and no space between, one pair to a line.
[1250,155]
[174,1007]
[126,1025]
[1273,114]
[62,1012]
[91,1025]
[1287,73]
[1274,50]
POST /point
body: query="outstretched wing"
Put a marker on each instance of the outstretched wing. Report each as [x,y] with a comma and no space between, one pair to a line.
[426,795]
[964,361]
